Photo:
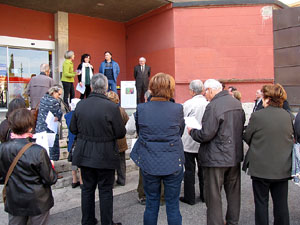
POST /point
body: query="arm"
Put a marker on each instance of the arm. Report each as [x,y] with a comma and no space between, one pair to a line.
[46,171]
[250,130]
[135,72]
[101,68]
[51,83]
[149,71]
[117,69]
[56,110]
[210,126]
[118,124]
[79,75]
[182,123]
[73,125]
[68,70]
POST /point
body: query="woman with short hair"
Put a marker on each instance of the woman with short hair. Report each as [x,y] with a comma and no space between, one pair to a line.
[68,75]
[159,149]
[29,197]
[269,135]
[50,103]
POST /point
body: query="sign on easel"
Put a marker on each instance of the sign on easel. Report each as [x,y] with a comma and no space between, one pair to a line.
[128,94]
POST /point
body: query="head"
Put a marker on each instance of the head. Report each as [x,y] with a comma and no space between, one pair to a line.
[107,55]
[237,95]
[162,85]
[258,94]
[45,68]
[21,121]
[212,87]
[55,91]
[231,89]
[69,55]
[99,83]
[273,95]
[85,58]
[142,61]
[17,103]
[147,95]
[113,96]
[196,87]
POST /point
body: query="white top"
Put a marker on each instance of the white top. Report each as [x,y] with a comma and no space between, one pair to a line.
[193,107]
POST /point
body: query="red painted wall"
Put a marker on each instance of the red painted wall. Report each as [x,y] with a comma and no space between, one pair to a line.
[152,37]
[26,23]
[222,43]
[95,36]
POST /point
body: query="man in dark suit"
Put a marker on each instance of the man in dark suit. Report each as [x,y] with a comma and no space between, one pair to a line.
[141,76]
[258,101]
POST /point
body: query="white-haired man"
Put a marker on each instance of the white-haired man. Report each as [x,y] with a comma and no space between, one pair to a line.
[221,152]
[193,107]
[141,76]
[39,85]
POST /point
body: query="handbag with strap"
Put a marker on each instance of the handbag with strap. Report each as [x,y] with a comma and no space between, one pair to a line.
[12,166]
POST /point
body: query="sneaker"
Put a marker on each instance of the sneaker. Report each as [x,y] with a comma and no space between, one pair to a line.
[142,201]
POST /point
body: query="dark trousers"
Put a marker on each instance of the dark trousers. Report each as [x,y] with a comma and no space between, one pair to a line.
[121,172]
[87,92]
[152,188]
[189,177]
[214,179]
[104,178]
[112,86]
[68,90]
[41,219]
[279,193]
[141,88]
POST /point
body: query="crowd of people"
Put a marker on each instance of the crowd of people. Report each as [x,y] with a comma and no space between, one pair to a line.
[168,151]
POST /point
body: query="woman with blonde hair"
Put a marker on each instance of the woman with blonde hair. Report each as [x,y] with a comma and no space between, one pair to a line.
[159,149]
[269,135]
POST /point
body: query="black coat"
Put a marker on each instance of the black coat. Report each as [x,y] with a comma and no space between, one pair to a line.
[28,190]
[142,79]
[98,124]
[221,134]
[269,135]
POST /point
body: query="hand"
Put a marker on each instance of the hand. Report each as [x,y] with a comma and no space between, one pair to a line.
[189,130]
[55,119]
[80,83]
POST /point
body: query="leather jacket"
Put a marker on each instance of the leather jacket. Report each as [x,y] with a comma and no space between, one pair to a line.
[28,191]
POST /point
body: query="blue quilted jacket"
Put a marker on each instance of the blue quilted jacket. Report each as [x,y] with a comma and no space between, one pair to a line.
[159,149]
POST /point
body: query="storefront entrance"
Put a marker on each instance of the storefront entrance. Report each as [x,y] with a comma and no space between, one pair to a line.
[17,66]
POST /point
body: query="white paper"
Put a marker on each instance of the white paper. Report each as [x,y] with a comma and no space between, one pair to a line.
[81,89]
[51,123]
[192,122]
[42,140]
[51,139]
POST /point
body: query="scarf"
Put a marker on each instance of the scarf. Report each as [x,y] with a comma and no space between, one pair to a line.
[84,65]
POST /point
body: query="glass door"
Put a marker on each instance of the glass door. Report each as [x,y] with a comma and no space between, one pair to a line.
[23,65]
[3,77]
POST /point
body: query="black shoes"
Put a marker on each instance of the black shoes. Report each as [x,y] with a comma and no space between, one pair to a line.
[75,185]
[182,199]
[142,201]
[117,223]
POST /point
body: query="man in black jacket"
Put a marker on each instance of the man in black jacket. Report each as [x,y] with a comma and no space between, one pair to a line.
[141,76]
[98,124]
[221,152]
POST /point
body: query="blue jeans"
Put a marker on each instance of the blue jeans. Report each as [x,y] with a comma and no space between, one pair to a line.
[112,86]
[152,187]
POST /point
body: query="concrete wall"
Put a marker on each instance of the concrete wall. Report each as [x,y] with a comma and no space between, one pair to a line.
[223,43]
[95,36]
[26,23]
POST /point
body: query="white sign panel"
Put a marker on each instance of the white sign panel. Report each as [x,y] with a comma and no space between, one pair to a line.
[128,94]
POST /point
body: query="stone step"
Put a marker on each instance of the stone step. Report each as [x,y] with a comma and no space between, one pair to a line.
[63,154]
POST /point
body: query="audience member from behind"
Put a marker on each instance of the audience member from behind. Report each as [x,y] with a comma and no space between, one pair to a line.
[237,95]
[17,103]
[122,143]
[39,85]
[231,89]
[159,149]
[86,74]
[193,107]
[50,103]
[72,144]
[269,135]
[258,101]
[29,196]
[98,124]
[221,152]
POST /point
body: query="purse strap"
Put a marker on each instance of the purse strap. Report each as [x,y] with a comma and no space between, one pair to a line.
[14,163]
